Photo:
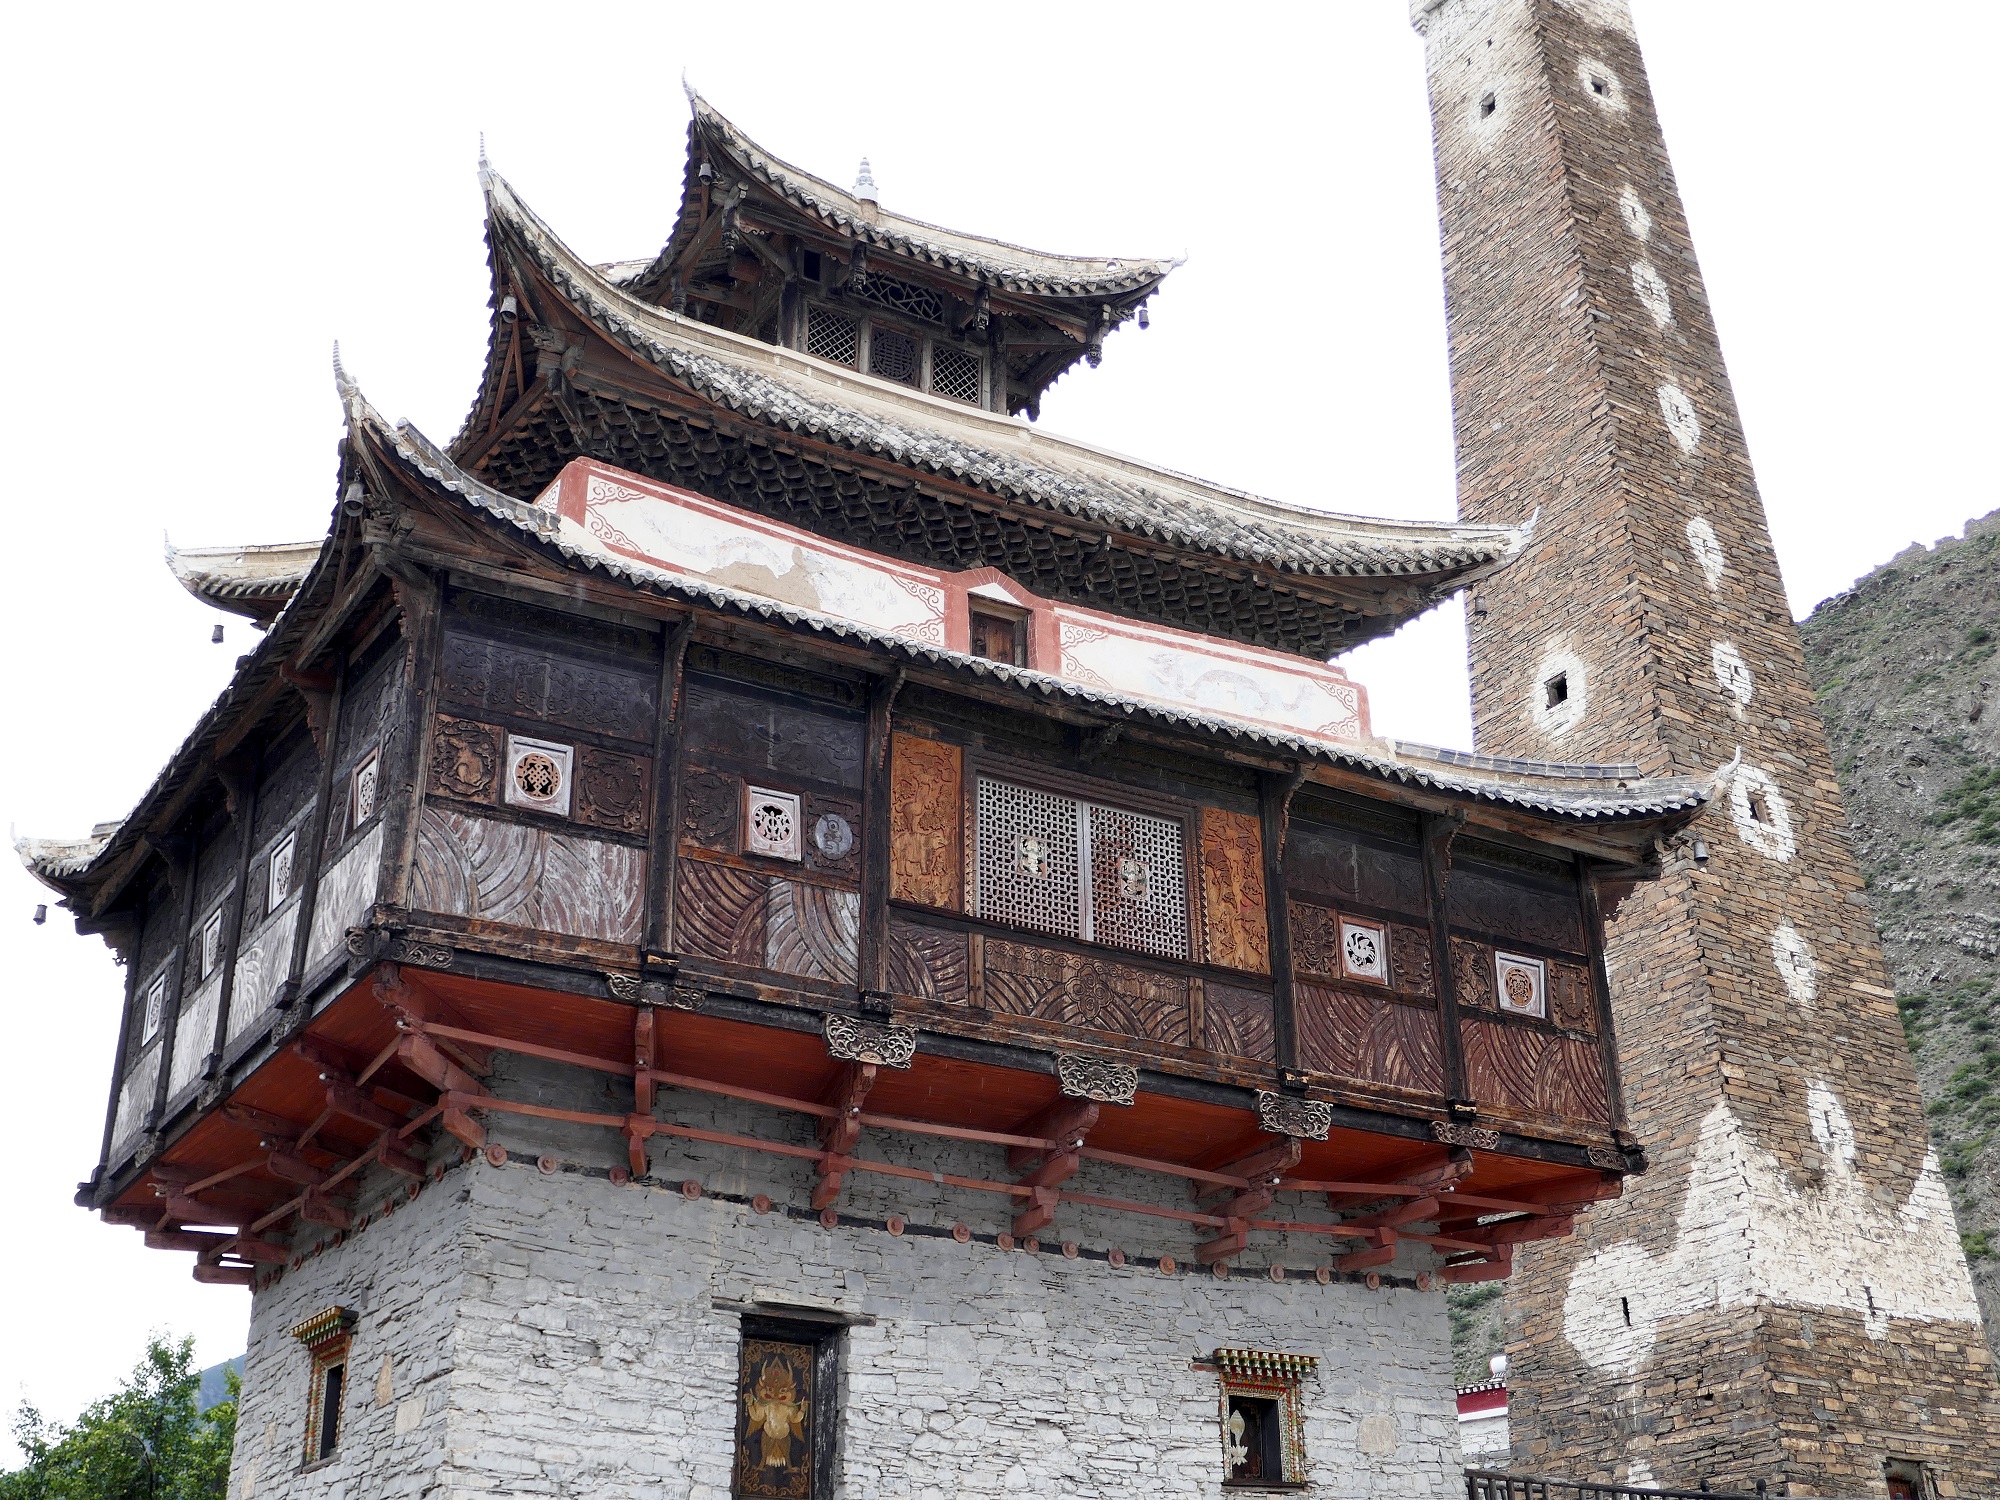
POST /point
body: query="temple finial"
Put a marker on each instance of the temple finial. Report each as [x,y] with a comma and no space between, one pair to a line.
[484,164]
[688,89]
[342,381]
[864,185]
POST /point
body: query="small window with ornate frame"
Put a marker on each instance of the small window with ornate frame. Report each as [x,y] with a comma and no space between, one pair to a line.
[1263,1428]
[362,789]
[327,1335]
[278,882]
[998,633]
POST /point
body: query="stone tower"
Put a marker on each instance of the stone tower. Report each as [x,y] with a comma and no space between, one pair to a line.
[1782,1296]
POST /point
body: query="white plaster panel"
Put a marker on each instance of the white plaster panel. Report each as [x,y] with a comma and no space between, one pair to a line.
[1732,675]
[1558,719]
[777,563]
[194,1034]
[1796,963]
[1747,1235]
[261,966]
[135,1098]
[1752,788]
[1633,212]
[1707,549]
[1209,676]
[1680,417]
[1651,288]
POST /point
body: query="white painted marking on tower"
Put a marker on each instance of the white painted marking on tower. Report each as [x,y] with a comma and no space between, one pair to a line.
[1634,214]
[1762,817]
[1681,420]
[1557,694]
[1600,85]
[1707,549]
[1733,673]
[1796,963]
[1652,289]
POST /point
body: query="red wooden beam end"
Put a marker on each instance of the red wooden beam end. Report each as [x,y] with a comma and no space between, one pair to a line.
[1518,1231]
[294,1169]
[1415,1211]
[1478,1270]
[398,1161]
[458,1123]
[222,1275]
[315,1208]
[1233,1241]
[1066,1124]
[1261,1170]
[187,1211]
[839,1131]
[1374,1255]
[642,1061]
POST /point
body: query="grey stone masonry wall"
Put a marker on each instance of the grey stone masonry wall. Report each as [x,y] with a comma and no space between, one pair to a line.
[551,1332]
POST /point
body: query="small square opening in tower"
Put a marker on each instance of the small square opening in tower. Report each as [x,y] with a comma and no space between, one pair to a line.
[1555,692]
[1760,807]
[1598,85]
[1487,105]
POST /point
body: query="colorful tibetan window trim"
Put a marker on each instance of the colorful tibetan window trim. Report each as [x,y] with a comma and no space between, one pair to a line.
[1263,1432]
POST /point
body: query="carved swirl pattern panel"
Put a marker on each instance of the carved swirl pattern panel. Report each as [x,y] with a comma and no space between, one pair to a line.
[1532,1071]
[611,789]
[761,922]
[480,674]
[1240,1022]
[927,963]
[1047,985]
[1235,927]
[925,822]
[1370,1037]
[528,877]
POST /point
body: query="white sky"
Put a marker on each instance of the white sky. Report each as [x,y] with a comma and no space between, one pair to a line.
[203,198]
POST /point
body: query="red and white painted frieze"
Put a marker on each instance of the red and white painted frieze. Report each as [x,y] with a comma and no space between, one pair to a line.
[625,515]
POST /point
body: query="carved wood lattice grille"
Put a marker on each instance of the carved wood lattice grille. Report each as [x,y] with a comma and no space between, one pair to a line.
[954,373]
[899,296]
[832,336]
[1062,865]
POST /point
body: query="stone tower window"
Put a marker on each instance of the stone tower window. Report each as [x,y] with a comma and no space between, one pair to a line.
[1555,692]
[787,1377]
[328,1335]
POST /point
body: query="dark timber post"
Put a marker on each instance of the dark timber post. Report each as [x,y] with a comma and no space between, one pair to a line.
[1274,795]
[659,938]
[872,975]
[1439,831]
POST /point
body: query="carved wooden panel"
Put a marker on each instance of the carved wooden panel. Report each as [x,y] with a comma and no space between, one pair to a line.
[832,841]
[528,877]
[720,912]
[506,679]
[926,864]
[1533,1071]
[612,789]
[1369,1037]
[773,737]
[465,759]
[1333,863]
[761,922]
[1572,998]
[1048,985]
[1506,905]
[1239,1022]
[1472,975]
[928,963]
[712,810]
[1315,939]
[1411,963]
[1235,926]
[776,1409]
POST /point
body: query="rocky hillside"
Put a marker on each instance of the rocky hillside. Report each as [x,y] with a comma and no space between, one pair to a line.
[1905,667]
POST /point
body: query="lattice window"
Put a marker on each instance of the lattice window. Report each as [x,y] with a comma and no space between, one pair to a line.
[954,373]
[1137,896]
[832,336]
[892,355]
[1060,864]
[902,296]
[1030,844]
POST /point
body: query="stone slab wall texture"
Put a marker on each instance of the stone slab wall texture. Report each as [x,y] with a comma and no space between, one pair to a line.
[1782,1296]
[550,1333]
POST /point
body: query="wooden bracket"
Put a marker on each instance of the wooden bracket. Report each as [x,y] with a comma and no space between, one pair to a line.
[1067,1122]
[1375,1255]
[839,1132]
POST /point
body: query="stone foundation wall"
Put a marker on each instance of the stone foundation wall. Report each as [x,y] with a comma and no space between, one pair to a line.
[554,1333]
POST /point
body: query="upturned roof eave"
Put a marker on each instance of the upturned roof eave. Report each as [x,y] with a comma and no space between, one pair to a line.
[982,450]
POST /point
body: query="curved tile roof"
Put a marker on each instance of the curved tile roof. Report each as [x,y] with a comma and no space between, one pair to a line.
[251,581]
[796,392]
[994,262]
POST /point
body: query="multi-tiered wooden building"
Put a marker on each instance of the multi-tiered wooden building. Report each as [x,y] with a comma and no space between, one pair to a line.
[760,924]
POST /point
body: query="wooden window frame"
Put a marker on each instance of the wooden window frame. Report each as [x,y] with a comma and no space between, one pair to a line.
[1022,621]
[826,1342]
[1090,790]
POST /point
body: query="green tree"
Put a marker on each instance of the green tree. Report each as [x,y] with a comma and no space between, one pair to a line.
[146,1441]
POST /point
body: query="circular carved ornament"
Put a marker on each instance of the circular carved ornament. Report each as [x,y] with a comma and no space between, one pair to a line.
[691,1189]
[771,823]
[1071,1249]
[1520,989]
[546,1165]
[1032,1245]
[496,1156]
[828,1219]
[1277,1273]
[619,1176]
[961,1233]
[897,1224]
[538,777]
[1168,1265]
[832,836]
[1374,1281]
[1004,1241]
[1116,1257]
[1423,1281]
[1221,1269]
[1323,1274]
[760,1204]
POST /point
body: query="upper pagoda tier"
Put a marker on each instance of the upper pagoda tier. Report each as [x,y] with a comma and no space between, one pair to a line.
[580,367]
[763,248]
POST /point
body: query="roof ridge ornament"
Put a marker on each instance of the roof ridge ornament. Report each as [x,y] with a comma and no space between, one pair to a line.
[864,184]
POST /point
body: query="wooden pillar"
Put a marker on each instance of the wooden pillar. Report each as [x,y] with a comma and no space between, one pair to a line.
[406,752]
[328,741]
[1274,794]
[239,787]
[127,928]
[662,865]
[183,856]
[872,974]
[1600,984]
[1439,831]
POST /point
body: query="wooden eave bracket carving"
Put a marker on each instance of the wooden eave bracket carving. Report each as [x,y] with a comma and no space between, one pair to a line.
[1287,1114]
[1083,1077]
[885,1044]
